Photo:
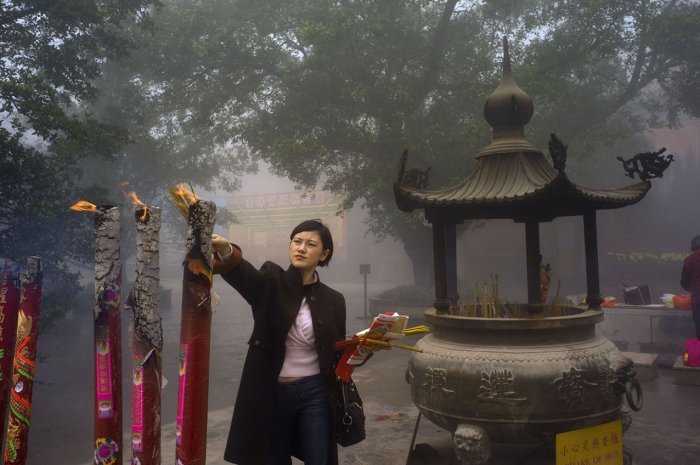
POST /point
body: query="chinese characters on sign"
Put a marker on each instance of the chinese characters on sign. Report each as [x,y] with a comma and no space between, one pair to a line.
[284,200]
[597,445]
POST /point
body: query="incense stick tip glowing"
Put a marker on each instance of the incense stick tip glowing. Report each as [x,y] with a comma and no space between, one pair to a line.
[136,202]
[83,206]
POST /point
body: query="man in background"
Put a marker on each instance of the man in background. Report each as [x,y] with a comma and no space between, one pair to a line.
[690,280]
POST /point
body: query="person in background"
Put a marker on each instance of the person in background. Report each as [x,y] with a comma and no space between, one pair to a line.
[690,280]
[285,404]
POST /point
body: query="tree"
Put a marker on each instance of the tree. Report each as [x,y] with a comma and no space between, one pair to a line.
[331,92]
[51,53]
[175,129]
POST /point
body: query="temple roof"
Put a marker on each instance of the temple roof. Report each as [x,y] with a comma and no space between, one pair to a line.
[512,178]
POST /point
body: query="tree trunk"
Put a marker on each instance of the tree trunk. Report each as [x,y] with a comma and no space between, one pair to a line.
[417,242]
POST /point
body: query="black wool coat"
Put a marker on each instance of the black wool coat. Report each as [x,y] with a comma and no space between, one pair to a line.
[275,296]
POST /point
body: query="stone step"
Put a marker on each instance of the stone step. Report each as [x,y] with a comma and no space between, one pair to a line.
[645,365]
[684,374]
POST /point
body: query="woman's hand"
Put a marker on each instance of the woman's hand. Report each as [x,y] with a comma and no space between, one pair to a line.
[226,255]
[221,245]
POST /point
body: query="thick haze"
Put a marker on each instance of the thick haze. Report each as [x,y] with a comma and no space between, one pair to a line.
[641,244]
[327,95]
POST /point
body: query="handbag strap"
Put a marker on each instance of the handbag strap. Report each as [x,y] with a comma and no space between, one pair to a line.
[342,393]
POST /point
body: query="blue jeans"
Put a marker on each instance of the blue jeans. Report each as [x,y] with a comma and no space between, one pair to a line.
[302,413]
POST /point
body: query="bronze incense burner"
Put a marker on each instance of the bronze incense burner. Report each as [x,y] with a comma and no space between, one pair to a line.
[517,381]
[516,378]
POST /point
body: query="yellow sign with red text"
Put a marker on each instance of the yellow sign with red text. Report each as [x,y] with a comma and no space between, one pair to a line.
[597,445]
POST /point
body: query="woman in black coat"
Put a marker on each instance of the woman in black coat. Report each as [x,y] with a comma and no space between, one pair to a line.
[285,404]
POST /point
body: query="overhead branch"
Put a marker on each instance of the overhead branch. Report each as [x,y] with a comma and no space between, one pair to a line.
[435,55]
[633,85]
[647,67]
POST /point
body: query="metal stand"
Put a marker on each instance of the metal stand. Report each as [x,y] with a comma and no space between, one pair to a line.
[365,299]
[411,449]
[364,271]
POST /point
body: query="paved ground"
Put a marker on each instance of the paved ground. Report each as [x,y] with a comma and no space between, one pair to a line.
[664,432]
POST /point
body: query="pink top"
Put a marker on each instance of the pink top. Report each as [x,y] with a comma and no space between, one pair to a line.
[301,358]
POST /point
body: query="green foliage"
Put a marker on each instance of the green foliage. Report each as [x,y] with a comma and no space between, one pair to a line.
[330,93]
[176,132]
[51,52]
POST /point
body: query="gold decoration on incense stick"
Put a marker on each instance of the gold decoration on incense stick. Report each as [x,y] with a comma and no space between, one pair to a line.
[182,199]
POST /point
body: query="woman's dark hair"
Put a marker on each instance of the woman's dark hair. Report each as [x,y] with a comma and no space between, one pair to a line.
[695,243]
[323,231]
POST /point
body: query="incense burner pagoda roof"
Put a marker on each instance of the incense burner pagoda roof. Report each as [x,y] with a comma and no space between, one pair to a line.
[517,186]
[512,179]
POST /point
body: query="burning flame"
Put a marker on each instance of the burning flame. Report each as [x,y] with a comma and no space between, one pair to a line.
[183,198]
[83,206]
[136,201]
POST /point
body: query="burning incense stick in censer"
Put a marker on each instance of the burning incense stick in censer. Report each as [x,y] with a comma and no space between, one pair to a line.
[107,327]
[9,306]
[147,339]
[24,365]
[195,332]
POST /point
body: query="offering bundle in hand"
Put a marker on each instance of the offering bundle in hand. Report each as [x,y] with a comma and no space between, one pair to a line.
[385,328]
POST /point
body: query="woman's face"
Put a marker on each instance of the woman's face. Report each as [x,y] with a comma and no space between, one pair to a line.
[306,250]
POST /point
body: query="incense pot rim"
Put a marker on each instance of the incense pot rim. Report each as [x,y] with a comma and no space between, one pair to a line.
[580,317]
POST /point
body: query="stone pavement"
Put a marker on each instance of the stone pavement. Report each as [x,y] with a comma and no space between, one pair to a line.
[664,432]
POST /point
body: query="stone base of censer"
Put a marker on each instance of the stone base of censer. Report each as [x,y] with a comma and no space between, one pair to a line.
[517,381]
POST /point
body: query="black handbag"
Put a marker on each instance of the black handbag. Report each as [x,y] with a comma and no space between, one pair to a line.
[350,424]
[636,295]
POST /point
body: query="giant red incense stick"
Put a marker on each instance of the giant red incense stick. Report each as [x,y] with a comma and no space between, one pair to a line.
[147,342]
[24,365]
[9,305]
[107,327]
[195,335]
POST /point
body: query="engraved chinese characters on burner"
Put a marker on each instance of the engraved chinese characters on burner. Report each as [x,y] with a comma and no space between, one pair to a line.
[575,383]
[498,387]
[435,385]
